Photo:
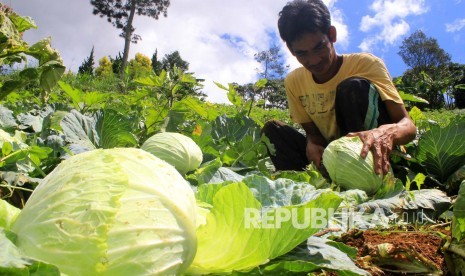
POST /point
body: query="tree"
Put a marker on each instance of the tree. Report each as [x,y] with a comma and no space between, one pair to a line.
[174,59]
[105,67]
[272,63]
[157,67]
[428,76]
[458,84]
[120,13]
[273,95]
[420,52]
[87,67]
[116,63]
[168,62]
[277,94]
[140,66]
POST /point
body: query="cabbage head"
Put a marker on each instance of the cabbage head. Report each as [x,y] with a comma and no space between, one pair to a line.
[176,149]
[347,169]
[111,212]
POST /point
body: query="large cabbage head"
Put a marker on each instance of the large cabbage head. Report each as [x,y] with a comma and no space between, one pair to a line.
[347,169]
[111,212]
[176,149]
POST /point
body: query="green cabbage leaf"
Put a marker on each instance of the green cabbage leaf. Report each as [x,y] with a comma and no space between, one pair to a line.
[8,214]
[348,169]
[240,232]
[118,211]
[177,149]
[13,262]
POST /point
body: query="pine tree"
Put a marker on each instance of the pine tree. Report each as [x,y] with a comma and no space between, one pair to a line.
[87,67]
[121,13]
[116,63]
[173,60]
[157,67]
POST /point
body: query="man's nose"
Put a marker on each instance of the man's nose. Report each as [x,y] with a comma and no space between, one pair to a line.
[313,60]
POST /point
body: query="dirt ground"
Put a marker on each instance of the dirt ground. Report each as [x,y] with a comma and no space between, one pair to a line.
[399,252]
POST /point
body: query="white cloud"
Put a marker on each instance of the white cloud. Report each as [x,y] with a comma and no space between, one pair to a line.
[217,38]
[337,18]
[389,17]
[342,29]
[455,26]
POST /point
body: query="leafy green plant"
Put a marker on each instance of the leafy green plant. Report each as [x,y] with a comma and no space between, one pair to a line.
[13,49]
[408,98]
[441,149]
[83,101]
[236,99]
[103,128]
[172,85]
[18,156]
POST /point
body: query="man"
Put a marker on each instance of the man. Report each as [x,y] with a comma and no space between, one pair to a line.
[334,95]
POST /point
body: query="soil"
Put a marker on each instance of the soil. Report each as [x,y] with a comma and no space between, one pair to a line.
[402,252]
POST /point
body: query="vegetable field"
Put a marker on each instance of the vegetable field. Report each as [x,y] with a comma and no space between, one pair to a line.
[152,181]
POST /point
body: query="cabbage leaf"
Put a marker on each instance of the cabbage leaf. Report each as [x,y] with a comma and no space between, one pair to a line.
[237,246]
[8,214]
[13,262]
[112,212]
[104,128]
[441,149]
[315,254]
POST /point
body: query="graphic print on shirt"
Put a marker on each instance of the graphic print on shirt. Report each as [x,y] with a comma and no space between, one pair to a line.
[318,102]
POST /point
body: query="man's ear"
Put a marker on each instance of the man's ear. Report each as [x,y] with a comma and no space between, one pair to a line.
[332,34]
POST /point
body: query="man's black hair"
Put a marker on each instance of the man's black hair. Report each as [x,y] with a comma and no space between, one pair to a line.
[303,16]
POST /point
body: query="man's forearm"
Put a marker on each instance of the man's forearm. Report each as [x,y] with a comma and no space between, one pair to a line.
[315,143]
[317,140]
[403,131]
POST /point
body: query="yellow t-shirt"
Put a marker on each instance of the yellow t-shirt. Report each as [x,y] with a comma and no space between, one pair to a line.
[312,102]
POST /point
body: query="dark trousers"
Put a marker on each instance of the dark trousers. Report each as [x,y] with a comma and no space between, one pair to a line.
[358,107]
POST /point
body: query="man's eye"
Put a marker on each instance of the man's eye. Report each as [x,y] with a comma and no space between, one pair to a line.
[319,49]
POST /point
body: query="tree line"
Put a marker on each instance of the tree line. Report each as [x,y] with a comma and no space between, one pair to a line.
[140,66]
[431,74]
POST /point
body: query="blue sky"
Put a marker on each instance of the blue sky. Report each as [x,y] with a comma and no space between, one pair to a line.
[219,38]
[442,20]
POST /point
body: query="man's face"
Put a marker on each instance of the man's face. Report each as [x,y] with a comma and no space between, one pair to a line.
[315,52]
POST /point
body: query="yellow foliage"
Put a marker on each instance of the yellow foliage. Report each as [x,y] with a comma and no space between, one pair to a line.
[144,61]
[140,66]
[105,67]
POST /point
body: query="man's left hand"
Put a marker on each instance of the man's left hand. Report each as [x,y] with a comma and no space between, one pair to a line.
[380,142]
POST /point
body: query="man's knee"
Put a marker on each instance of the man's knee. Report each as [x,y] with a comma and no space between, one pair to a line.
[352,88]
[271,126]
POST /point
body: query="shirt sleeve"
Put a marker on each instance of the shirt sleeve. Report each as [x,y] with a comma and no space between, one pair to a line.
[380,77]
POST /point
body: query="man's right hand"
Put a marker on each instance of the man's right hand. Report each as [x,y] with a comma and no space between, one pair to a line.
[314,153]
[315,144]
